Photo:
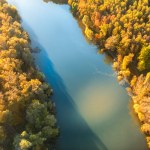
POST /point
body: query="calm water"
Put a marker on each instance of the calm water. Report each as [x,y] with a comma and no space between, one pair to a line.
[92,108]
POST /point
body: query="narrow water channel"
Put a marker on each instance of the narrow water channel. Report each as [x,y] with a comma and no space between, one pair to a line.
[92,108]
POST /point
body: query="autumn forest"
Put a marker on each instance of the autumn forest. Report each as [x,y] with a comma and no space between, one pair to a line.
[118,28]
[27,117]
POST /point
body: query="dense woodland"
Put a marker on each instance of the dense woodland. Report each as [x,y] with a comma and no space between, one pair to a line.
[27,119]
[121,28]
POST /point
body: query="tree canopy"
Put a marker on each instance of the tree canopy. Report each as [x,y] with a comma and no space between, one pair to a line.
[27,117]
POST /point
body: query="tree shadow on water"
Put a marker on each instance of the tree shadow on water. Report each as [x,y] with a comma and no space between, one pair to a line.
[75,134]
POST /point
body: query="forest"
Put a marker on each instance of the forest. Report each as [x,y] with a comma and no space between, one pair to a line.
[27,113]
[121,28]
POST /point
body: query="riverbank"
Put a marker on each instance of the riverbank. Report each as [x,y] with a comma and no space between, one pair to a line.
[119,28]
[27,114]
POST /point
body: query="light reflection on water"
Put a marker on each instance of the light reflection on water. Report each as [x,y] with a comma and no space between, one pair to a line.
[95,102]
[105,111]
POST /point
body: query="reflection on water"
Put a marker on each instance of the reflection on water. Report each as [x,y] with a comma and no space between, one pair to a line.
[104,110]
[95,101]
[75,133]
[92,109]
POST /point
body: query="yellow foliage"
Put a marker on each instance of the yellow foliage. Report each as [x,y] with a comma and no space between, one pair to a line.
[24,144]
[133,81]
[141,116]
[148,140]
[145,128]
[136,108]
[20,82]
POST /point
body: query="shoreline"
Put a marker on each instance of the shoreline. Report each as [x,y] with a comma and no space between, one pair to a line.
[140,106]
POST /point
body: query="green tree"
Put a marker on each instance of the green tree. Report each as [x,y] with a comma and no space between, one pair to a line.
[144,59]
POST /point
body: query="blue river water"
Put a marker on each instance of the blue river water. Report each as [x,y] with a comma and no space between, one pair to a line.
[92,108]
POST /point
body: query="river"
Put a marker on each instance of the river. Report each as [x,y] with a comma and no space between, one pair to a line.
[92,108]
